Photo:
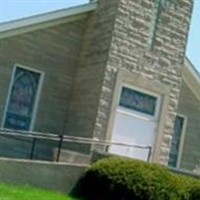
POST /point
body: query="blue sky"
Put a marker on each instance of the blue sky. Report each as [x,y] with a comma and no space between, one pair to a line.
[15,9]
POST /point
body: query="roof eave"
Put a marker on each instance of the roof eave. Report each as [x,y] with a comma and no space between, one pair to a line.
[50,19]
[191,77]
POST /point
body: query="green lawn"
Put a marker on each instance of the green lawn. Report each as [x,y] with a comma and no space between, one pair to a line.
[8,192]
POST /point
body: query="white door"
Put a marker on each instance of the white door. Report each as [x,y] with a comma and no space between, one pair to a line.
[135,123]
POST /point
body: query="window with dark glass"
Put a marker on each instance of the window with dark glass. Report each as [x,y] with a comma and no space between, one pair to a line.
[21,99]
[138,101]
[176,139]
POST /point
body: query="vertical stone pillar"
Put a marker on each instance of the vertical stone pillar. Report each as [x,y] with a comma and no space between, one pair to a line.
[129,50]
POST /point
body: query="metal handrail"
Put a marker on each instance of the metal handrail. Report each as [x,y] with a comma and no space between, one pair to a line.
[64,138]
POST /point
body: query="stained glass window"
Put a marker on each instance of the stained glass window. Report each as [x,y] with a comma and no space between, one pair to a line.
[174,151]
[22,98]
[138,101]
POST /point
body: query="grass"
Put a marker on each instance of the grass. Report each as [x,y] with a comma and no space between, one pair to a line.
[8,192]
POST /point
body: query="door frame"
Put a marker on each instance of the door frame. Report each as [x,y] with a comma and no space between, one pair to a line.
[140,81]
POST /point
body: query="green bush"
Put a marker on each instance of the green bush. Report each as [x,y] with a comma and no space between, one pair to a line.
[125,179]
[194,190]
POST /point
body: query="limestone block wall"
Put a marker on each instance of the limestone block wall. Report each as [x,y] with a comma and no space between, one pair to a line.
[159,59]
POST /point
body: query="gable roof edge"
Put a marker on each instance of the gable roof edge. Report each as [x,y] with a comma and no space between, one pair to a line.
[191,77]
[20,26]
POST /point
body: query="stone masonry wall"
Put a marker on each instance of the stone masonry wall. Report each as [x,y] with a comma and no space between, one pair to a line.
[131,49]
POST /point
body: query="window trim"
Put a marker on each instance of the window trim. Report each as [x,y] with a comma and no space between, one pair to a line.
[38,94]
[135,112]
[182,139]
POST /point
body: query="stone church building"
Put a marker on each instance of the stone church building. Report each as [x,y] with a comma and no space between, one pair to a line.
[114,70]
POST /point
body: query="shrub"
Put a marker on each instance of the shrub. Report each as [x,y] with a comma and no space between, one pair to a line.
[194,190]
[125,179]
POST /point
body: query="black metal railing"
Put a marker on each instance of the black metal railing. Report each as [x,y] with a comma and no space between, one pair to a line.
[32,138]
